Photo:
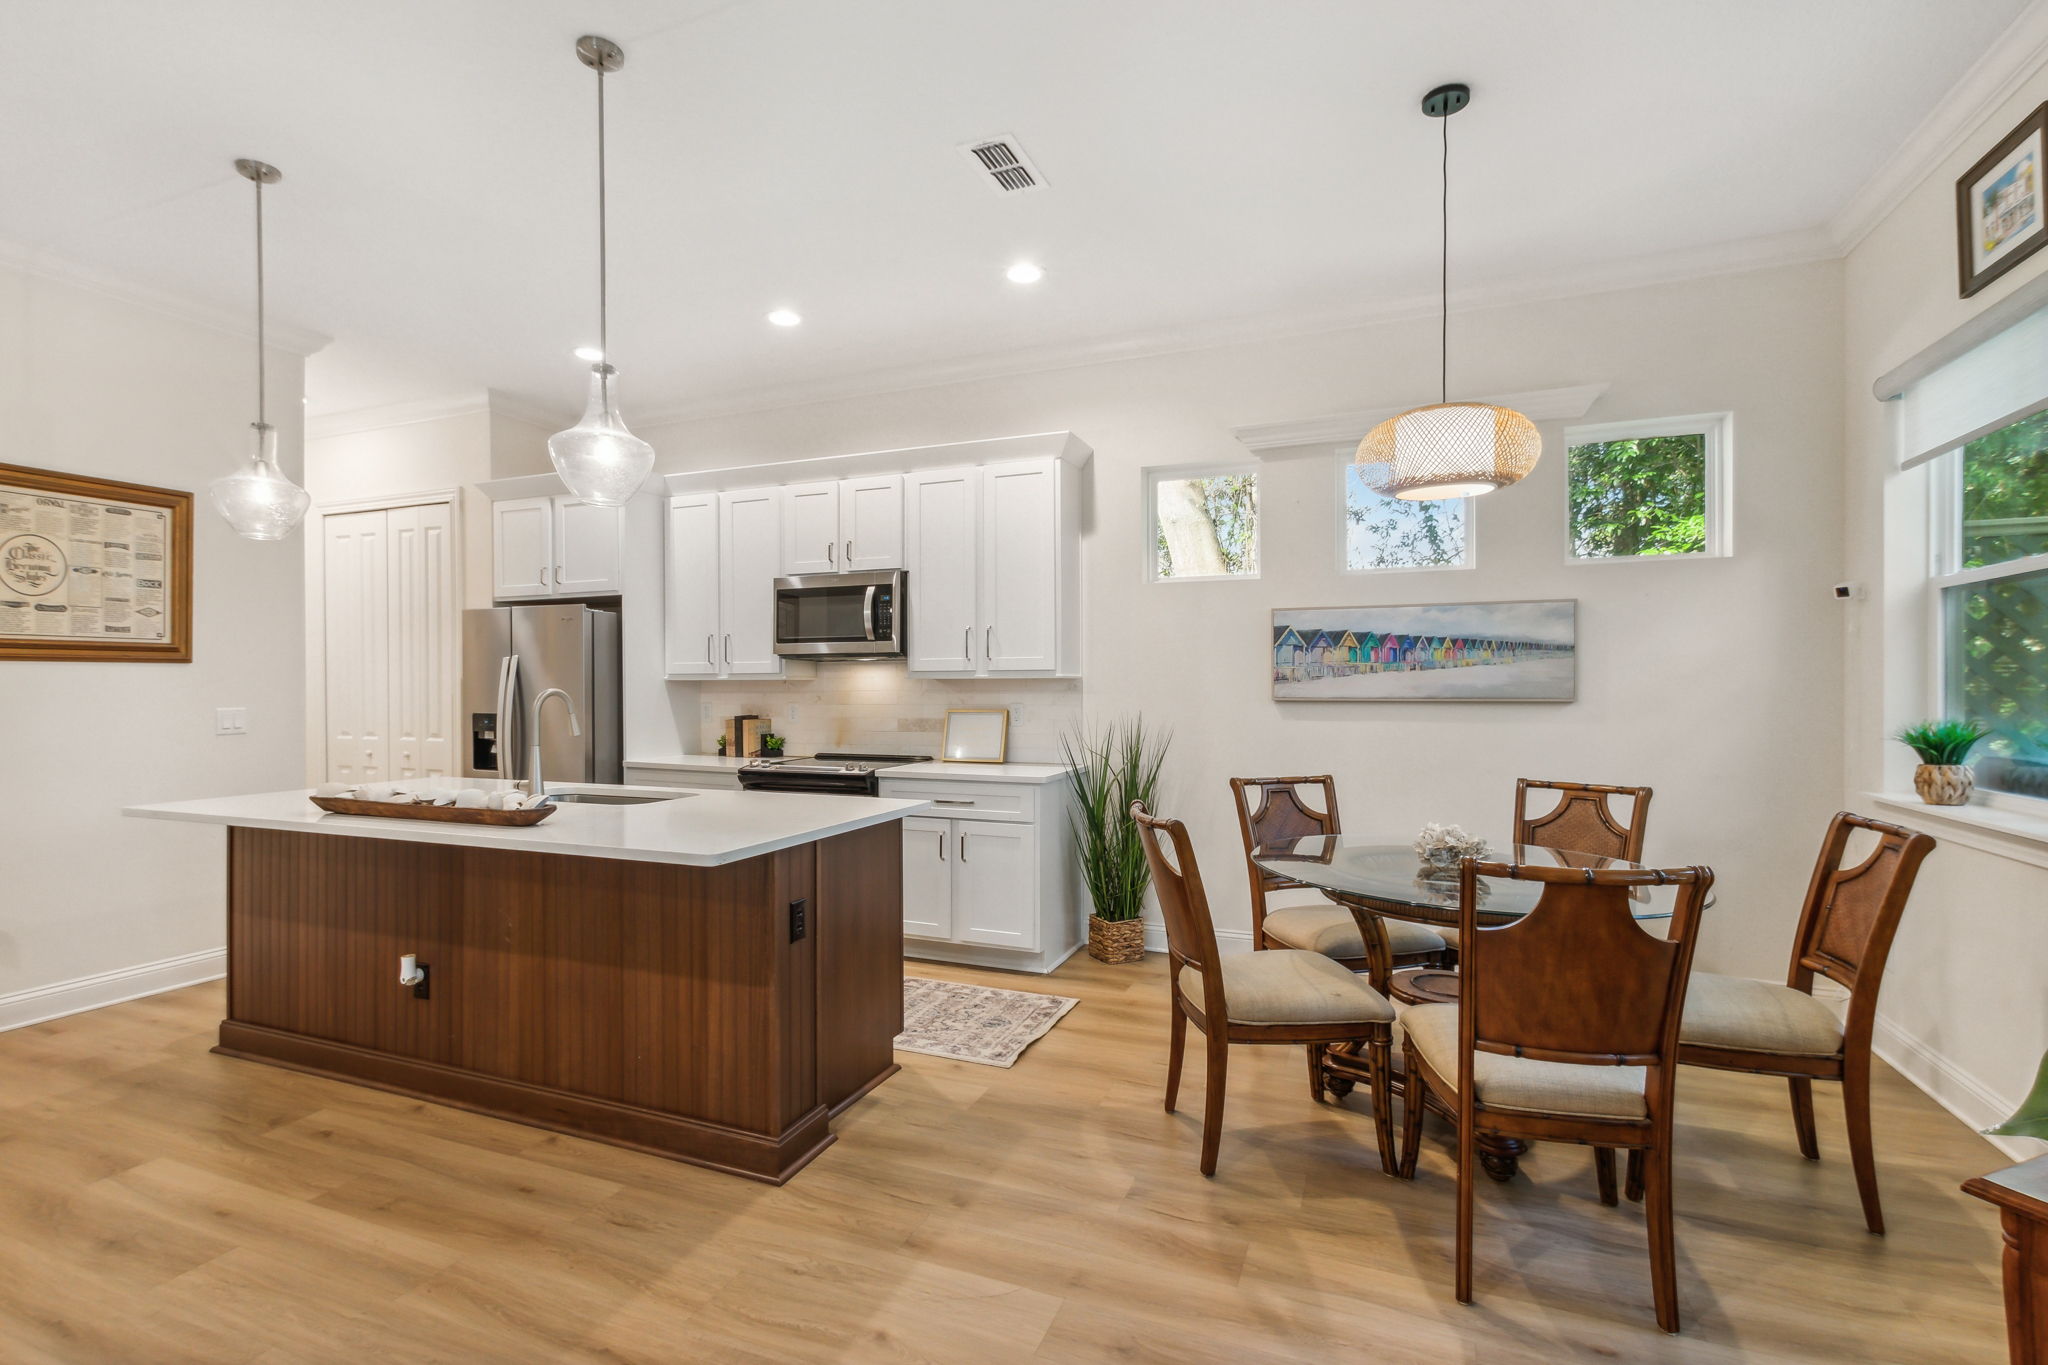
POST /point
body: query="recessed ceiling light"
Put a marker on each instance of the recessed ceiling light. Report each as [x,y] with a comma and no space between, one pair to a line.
[1025,272]
[785,317]
[589,353]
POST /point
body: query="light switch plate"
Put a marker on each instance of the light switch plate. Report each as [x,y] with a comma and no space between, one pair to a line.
[231,720]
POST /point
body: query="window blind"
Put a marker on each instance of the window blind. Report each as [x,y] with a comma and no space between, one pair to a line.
[1996,382]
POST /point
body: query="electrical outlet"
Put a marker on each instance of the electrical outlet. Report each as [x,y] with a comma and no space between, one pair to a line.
[231,720]
[798,915]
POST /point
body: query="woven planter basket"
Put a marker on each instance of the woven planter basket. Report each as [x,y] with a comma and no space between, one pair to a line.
[1116,940]
[1944,784]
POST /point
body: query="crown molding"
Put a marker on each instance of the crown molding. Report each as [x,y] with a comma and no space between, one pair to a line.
[1720,258]
[321,426]
[1349,428]
[1992,79]
[46,266]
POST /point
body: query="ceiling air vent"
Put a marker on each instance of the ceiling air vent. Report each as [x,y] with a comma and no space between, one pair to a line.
[1005,165]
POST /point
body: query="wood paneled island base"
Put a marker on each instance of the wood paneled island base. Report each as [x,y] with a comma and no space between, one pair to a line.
[715,1015]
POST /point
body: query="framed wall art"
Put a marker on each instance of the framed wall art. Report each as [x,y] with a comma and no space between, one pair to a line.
[1999,221]
[93,568]
[1467,651]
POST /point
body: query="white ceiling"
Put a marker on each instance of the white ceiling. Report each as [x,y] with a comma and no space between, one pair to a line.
[1211,164]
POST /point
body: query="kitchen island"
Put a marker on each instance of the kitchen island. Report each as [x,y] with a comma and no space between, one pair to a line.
[707,976]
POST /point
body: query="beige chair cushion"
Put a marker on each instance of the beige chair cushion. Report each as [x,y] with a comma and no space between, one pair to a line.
[1287,986]
[1448,933]
[1757,1016]
[1304,919]
[1521,1083]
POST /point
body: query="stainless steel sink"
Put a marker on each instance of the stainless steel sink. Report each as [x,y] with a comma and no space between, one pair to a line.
[614,798]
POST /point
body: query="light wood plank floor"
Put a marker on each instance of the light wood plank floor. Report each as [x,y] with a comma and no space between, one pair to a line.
[160,1204]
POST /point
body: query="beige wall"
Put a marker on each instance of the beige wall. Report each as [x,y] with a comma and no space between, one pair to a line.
[1717,682]
[90,384]
[1964,1009]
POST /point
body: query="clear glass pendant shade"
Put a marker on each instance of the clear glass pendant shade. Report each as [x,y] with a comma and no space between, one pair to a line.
[257,499]
[598,458]
[1449,450]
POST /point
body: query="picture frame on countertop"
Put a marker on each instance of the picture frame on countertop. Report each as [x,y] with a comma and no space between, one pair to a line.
[1999,209]
[976,735]
[93,569]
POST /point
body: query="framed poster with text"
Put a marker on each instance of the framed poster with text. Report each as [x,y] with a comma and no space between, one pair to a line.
[93,569]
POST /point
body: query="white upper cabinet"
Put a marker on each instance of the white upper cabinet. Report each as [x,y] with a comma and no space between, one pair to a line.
[557,546]
[810,529]
[749,547]
[691,588]
[522,547]
[871,523]
[1020,567]
[940,565]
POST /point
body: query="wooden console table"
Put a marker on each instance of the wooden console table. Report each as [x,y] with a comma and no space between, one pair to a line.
[2021,1193]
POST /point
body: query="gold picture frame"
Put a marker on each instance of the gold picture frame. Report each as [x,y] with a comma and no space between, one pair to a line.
[976,740]
[110,561]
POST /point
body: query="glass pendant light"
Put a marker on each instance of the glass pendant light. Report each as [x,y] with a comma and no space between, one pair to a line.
[257,499]
[1448,450]
[598,458]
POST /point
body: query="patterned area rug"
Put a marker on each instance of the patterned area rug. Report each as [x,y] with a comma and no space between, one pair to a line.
[975,1023]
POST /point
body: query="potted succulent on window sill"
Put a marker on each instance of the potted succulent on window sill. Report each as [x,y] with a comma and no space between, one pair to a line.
[1943,777]
[1112,768]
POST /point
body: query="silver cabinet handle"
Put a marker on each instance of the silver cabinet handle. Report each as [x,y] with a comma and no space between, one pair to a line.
[942,846]
[543,575]
[989,645]
[728,651]
[831,553]
[710,651]
[943,801]
[967,644]
[963,845]
[849,554]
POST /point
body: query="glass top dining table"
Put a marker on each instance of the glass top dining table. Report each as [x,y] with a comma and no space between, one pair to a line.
[1390,878]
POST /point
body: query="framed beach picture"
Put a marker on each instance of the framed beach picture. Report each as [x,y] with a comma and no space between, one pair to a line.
[1468,651]
[1999,220]
[93,569]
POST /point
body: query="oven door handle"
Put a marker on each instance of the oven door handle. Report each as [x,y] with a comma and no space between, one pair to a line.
[867,611]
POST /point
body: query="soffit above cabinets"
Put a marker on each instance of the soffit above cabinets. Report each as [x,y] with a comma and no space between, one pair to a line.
[1054,445]
[1278,440]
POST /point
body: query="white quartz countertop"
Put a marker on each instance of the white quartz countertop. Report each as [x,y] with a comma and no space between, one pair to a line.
[698,829]
[979,772]
[690,763]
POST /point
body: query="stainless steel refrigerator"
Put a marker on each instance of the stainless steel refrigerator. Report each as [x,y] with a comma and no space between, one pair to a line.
[510,655]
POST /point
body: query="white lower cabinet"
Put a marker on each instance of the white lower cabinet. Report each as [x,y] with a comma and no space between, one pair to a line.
[987,880]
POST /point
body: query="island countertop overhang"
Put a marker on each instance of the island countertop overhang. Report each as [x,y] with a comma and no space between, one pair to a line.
[695,829]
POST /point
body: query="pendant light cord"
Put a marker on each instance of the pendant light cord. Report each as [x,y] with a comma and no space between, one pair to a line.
[604,343]
[262,378]
[1444,279]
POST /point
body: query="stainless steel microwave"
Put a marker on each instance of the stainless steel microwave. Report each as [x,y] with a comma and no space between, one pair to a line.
[840,615]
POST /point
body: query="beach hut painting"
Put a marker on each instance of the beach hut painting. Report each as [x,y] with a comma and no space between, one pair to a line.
[1471,651]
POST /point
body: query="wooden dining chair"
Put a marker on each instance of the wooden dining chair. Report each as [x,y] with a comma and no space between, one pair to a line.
[1583,820]
[1271,814]
[1278,996]
[1566,1030]
[1845,934]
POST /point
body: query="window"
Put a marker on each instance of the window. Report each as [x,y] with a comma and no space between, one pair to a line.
[1203,523]
[1390,533]
[1642,490]
[1991,576]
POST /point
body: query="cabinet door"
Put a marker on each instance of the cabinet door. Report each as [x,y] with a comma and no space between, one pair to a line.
[690,588]
[871,522]
[1020,547]
[522,547]
[995,884]
[356,564]
[423,651]
[810,528]
[928,878]
[750,557]
[589,547]
[939,511]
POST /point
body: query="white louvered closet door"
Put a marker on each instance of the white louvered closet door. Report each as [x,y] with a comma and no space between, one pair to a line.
[423,633]
[357,575]
[391,638]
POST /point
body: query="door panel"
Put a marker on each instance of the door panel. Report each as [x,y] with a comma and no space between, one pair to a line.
[690,599]
[422,636]
[927,878]
[995,886]
[357,576]
[589,541]
[940,509]
[553,645]
[750,557]
[522,547]
[810,529]
[1020,566]
[871,522]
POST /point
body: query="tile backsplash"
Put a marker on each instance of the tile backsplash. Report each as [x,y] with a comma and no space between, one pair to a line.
[877,707]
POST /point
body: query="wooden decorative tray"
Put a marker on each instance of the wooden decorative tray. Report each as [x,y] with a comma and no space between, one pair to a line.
[455,815]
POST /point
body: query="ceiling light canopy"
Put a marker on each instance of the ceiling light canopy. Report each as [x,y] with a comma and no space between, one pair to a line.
[599,460]
[1448,450]
[589,355]
[785,317]
[1025,272]
[257,499]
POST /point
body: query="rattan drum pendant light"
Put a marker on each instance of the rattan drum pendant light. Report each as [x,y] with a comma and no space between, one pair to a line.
[1448,450]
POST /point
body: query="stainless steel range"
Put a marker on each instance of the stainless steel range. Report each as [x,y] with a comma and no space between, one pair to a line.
[844,774]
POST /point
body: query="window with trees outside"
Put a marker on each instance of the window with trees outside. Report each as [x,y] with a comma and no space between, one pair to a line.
[1204,523]
[1991,559]
[1392,533]
[1642,490]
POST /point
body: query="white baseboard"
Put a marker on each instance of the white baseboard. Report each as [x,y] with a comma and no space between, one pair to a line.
[1951,1087]
[39,1003]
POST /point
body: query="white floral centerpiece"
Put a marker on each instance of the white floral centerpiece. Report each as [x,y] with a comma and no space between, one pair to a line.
[1443,847]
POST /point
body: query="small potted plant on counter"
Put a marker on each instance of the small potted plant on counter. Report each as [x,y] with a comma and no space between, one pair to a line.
[1112,768]
[1943,777]
[771,746]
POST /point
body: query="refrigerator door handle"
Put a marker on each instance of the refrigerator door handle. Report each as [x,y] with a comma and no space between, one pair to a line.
[509,729]
[500,719]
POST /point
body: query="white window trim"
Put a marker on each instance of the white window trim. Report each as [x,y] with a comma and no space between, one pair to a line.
[1343,505]
[1719,430]
[1168,473]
